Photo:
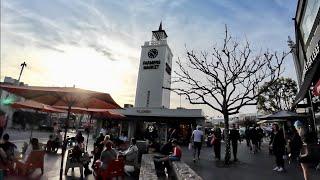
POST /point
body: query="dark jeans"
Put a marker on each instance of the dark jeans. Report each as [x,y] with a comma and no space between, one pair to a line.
[259,143]
[279,159]
[196,148]
[234,149]
[1,131]
[161,165]
[248,143]
[217,149]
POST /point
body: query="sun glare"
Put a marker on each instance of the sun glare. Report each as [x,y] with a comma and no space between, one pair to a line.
[86,68]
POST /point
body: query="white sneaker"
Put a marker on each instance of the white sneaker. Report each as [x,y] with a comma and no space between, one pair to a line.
[280,169]
[276,168]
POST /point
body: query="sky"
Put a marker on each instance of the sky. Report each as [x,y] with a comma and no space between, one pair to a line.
[96,44]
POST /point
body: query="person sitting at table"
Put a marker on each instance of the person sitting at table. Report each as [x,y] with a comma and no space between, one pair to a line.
[132,152]
[8,147]
[77,155]
[97,148]
[33,146]
[50,143]
[59,136]
[79,138]
[107,139]
[123,137]
[7,151]
[107,155]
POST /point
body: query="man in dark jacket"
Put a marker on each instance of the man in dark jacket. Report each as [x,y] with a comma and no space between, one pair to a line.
[277,144]
[234,138]
[260,136]
[254,139]
[217,143]
[166,149]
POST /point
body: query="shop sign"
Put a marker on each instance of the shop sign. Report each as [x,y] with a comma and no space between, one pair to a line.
[143,111]
[313,56]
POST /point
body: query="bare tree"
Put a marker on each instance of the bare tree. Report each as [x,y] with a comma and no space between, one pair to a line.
[227,78]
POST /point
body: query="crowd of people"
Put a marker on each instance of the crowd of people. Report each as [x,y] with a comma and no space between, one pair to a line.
[294,143]
[10,159]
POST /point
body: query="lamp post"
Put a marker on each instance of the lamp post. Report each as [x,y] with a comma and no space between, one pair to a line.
[22,67]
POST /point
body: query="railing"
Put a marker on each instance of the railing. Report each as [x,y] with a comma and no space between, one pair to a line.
[161,42]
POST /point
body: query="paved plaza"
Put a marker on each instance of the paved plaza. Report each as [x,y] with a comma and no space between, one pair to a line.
[250,166]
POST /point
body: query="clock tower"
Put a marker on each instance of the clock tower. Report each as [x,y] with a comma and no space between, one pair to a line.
[154,72]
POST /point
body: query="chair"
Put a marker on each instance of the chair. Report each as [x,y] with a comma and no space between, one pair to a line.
[114,170]
[71,163]
[34,161]
[131,164]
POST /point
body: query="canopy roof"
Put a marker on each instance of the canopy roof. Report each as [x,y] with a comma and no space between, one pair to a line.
[64,96]
[29,104]
[95,112]
[283,115]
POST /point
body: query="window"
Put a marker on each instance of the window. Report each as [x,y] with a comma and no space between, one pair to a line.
[148,98]
[309,17]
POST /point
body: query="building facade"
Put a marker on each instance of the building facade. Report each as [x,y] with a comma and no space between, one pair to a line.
[306,55]
[151,117]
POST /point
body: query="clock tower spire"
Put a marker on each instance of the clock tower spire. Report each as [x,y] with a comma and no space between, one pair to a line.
[154,72]
[159,34]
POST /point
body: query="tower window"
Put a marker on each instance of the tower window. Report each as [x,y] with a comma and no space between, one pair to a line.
[148,98]
[168,69]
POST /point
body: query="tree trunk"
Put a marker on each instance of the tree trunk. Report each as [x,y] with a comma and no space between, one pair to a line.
[226,139]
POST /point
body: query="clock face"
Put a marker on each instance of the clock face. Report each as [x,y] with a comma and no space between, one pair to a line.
[152,53]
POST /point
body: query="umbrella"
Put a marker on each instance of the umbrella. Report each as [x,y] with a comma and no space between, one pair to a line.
[29,104]
[94,111]
[64,96]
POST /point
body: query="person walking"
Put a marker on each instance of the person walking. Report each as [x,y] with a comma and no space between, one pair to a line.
[234,138]
[277,144]
[216,141]
[247,137]
[254,139]
[295,144]
[308,154]
[260,136]
[197,138]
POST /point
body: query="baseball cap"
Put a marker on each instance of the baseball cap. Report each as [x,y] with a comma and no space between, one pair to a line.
[298,124]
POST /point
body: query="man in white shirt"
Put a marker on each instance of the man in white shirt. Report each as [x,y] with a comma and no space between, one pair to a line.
[103,131]
[197,138]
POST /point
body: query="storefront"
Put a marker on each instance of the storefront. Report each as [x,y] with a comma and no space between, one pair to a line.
[159,123]
[306,53]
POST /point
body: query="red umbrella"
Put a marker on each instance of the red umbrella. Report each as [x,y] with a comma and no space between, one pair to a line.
[29,104]
[64,96]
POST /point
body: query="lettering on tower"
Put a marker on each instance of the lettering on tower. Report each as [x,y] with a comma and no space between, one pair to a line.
[151,64]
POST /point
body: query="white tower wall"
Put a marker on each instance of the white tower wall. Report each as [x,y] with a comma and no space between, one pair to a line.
[154,75]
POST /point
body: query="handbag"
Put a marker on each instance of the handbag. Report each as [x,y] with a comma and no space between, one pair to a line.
[190,146]
[213,141]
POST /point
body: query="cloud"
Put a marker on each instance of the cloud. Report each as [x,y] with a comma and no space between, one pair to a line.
[117,29]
